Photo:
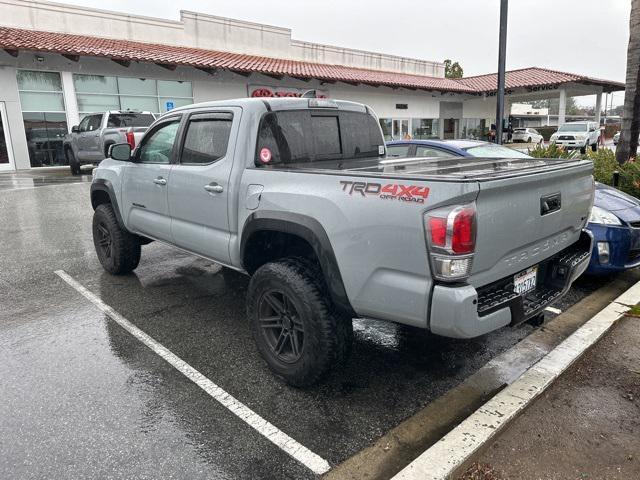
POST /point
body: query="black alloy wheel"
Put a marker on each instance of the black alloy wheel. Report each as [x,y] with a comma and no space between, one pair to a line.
[281,326]
[104,241]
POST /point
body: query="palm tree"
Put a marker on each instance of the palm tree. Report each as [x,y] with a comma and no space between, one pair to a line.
[628,145]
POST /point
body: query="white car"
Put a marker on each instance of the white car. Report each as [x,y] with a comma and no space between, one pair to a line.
[577,135]
[527,135]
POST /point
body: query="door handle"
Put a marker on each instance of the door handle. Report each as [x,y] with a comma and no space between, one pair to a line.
[214,188]
[159,181]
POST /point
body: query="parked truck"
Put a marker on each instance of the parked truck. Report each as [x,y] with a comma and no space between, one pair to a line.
[89,141]
[298,194]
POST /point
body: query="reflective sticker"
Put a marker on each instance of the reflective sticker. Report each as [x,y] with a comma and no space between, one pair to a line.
[265,155]
[380,149]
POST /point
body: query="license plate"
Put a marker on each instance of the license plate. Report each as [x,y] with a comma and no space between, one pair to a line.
[524,282]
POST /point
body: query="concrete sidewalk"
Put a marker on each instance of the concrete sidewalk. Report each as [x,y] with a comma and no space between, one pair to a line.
[585,426]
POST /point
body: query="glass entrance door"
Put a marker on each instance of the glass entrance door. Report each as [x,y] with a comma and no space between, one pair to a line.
[6,154]
[399,128]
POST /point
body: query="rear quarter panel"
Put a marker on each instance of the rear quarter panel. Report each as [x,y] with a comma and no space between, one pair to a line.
[379,243]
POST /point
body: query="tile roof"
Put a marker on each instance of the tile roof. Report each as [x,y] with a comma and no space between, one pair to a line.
[125,50]
[531,77]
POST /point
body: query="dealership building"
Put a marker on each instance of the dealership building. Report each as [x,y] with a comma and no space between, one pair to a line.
[60,62]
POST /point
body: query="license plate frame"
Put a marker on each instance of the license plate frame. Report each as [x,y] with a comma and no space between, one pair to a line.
[525,281]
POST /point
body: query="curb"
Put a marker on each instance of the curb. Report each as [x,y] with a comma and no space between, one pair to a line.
[446,458]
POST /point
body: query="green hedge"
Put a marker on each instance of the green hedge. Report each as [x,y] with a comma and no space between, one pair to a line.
[604,164]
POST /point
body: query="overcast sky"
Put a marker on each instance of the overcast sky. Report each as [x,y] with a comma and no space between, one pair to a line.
[579,36]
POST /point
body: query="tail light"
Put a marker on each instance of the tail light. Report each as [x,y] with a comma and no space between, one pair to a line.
[131,139]
[451,237]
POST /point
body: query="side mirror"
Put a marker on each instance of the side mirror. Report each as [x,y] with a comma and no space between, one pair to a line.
[120,151]
[75,129]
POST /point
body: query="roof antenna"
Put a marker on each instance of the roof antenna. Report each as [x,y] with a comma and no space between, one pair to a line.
[309,94]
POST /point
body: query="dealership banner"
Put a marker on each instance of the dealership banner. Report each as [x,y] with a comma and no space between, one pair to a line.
[269,91]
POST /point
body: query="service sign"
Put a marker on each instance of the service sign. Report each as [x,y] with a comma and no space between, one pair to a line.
[269,91]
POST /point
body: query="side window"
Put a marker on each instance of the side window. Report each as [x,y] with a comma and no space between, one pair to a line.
[83,124]
[94,123]
[424,151]
[360,135]
[158,147]
[398,150]
[206,140]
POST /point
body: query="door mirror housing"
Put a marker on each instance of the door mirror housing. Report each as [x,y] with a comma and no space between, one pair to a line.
[120,151]
[75,129]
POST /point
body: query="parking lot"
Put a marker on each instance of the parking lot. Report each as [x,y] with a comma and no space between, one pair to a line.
[83,397]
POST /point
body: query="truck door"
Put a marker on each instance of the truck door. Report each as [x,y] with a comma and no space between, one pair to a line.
[89,138]
[144,190]
[200,189]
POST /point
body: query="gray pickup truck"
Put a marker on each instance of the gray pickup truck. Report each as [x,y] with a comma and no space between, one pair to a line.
[297,193]
[89,141]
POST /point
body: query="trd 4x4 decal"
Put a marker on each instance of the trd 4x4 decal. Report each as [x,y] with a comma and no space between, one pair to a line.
[389,191]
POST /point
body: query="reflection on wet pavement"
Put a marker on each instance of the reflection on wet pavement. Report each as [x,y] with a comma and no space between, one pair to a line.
[40,178]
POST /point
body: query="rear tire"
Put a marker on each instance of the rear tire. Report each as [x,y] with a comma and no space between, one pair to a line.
[529,140]
[583,150]
[74,164]
[296,329]
[118,250]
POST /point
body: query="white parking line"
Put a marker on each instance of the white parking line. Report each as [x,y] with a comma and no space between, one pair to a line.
[313,462]
[557,311]
[446,457]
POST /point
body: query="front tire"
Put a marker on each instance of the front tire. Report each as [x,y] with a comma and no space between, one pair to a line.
[296,329]
[583,150]
[118,250]
[594,147]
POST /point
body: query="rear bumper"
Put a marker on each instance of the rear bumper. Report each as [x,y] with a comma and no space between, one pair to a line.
[464,312]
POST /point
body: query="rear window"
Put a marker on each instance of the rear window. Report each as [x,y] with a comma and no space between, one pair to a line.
[119,120]
[311,136]
[495,151]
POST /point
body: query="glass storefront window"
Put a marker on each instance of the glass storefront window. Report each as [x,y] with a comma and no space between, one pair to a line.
[475,128]
[385,124]
[45,134]
[97,93]
[425,128]
[44,117]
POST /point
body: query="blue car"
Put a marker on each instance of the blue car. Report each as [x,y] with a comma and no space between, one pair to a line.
[614,220]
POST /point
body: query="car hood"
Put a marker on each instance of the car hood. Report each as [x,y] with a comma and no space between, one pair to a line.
[625,206]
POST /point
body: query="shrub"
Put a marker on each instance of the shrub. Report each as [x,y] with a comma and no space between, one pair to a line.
[552,151]
[604,164]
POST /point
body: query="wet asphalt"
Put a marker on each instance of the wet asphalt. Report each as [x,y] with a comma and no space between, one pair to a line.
[81,398]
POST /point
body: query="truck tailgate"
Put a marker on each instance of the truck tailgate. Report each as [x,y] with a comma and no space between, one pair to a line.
[525,219]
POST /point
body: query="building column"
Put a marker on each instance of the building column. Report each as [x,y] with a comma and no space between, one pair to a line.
[598,106]
[562,111]
[70,100]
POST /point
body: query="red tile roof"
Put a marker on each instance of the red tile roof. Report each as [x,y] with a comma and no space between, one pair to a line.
[125,50]
[532,77]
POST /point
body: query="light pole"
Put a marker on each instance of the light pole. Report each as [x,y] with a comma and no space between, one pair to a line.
[502,54]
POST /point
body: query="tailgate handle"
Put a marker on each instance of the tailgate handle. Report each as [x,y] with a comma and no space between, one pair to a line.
[550,203]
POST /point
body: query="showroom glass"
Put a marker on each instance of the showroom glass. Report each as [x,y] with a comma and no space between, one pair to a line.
[99,92]
[425,128]
[475,128]
[4,151]
[292,137]
[206,140]
[44,117]
[158,148]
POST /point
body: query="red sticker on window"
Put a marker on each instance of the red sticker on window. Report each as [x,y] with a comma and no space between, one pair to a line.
[265,155]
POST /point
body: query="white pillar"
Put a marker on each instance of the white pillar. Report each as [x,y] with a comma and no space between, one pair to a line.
[598,106]
[563,107]
[71,103]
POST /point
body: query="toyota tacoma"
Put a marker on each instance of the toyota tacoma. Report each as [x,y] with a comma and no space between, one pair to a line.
[298,194]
